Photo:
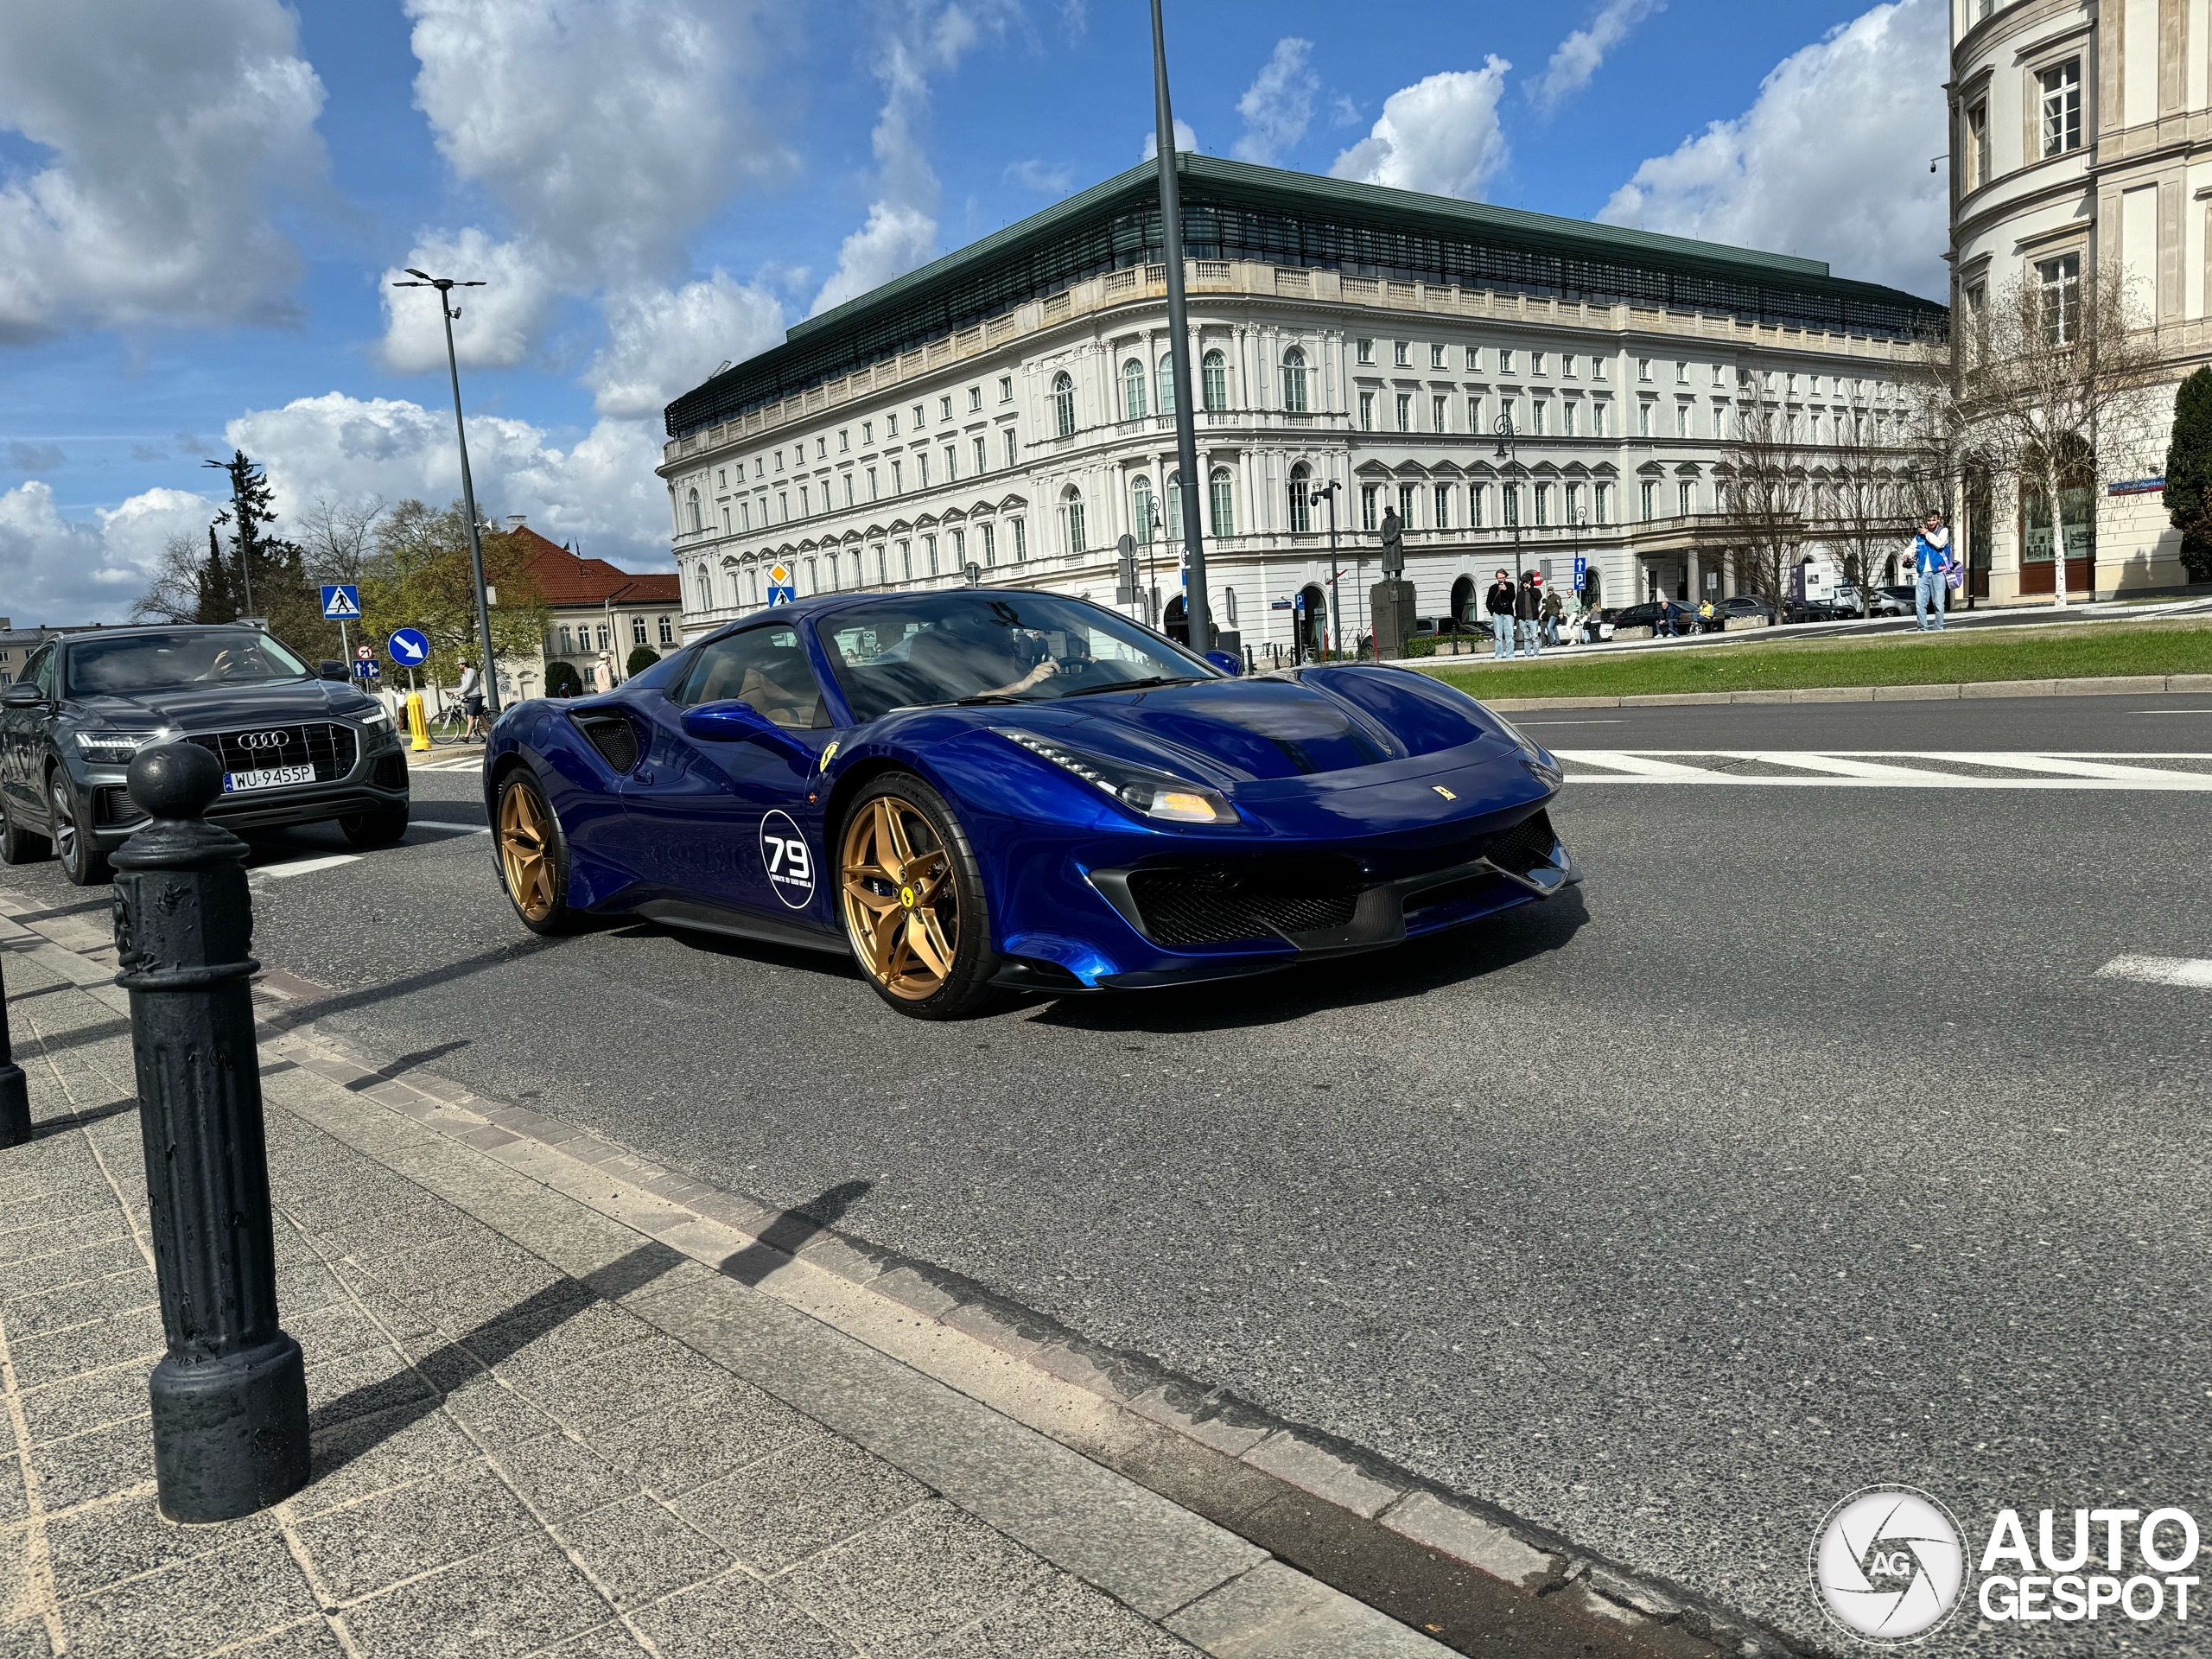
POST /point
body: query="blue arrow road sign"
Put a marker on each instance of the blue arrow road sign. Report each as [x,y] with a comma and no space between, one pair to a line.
[408,648]
[341,602]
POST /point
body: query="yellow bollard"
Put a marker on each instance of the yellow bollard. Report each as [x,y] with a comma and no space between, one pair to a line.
[417,724]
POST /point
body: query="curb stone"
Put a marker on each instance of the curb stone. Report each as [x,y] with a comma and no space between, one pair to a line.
[1439,1562]
[2117,685]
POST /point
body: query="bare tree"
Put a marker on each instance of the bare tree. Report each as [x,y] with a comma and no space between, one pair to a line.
[2053,386]
[172,595]
[340,540]
[1765,496]
[1868,510]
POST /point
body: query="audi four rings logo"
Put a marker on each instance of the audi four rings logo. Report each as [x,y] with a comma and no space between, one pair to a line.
[264,740]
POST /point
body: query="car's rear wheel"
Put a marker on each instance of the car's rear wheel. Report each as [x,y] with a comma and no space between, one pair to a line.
[19,846]
[82,862]
[533,857]
[911,896]
[377,829]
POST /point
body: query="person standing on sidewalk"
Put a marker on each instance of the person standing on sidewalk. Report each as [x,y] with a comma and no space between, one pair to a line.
[1528,610]
[471,692]
[602,673]
[1499,603]
[1554,613]
[1931,570]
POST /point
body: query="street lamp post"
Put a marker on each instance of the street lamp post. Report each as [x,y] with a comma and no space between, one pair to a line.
[1179,347]
[1328,493]
[1507,440]
[488,676]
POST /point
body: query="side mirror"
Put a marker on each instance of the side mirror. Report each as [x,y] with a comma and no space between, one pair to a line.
[330,669]
[21,694]
[1227,662]
[731,722]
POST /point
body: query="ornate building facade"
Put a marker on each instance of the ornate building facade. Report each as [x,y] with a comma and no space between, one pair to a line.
[2081,140]
[1008,408]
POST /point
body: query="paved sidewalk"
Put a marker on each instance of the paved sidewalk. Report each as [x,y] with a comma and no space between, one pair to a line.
[538,1429]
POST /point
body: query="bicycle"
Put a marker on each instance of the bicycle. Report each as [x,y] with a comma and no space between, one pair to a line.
[451,726]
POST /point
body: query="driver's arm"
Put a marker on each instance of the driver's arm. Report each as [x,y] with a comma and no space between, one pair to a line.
[1037,676]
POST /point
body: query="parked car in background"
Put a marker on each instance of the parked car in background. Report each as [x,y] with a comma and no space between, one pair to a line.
[1901,600]
[1816,610]
[1737,604]
[1882,602]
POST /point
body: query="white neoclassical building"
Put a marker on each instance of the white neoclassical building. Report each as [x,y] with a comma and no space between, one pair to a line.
[1007,407]
[2082,136]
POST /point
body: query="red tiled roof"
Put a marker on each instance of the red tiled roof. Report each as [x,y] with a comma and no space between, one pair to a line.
[566,579]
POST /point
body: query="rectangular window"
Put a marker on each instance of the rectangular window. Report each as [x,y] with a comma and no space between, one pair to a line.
[844,440]
[1474,359]
[1601,502]
[1398,354]
[1539,409]
[1020,529]
[1536,361]
[1717,379]
[960,550]
[1367,351]
[1509,501]
[871,484]
[918,417]
[805,507]
[1436,357]
[1440,413]
[1650,500]
[906,560]
[1474,411]
[1006,389]
[868,433]
[667,632]
[1596,368]
[975,399]
[1681,374]
[725,521]
[745,515]
[944,408]
[637,630]
[898,478]
[882,567]
[1686,493]
[1367,411]
[990,535]
[2061,85]
[890,426]
[1406,505]
[1568,412]
[1566,362]
[1643,368]
[1367,506]
[951,467]
[982,456]
[1643,420]
[1443,505]
[922,467]
[2059,284]
[1475,506]
[1543,506]
[820,449]
[1505,359]
[929,552]
[783,506]
[1405,411]
[1574,504]
[1682,420]
[849,489]
[1013,449]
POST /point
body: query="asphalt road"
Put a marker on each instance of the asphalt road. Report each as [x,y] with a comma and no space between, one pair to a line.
[1800,1150]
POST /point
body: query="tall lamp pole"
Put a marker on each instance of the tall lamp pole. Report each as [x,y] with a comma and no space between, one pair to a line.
[488,676]
[1507,439]
[1328,493]
[1178,346]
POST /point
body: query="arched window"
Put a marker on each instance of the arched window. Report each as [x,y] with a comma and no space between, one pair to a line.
[1133,390]
[1294,380]
[1223,502]
[1167,382]
[1213,380]
[1073,506]
[1064,402]
[1174,506]
[1301,504]
[1144,518]
[697,523]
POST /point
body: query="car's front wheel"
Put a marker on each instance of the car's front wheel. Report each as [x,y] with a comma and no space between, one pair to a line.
[377,829]
[910,893]
[19,846]
[82,862]
[533,857]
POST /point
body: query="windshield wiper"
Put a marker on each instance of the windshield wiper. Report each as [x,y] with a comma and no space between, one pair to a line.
[1138,685]
[988,696]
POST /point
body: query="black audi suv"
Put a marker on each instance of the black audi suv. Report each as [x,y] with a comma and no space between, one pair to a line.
[298,744]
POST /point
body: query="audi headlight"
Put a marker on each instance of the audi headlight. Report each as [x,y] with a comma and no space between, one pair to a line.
[378,715]
[1143,790]
[116,748]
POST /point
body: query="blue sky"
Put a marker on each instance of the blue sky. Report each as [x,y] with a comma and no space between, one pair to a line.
[201,202]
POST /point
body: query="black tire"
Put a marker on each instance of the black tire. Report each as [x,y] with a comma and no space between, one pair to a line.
[377,829]
[529,846]
[83,864]
[965,990]
[19,846]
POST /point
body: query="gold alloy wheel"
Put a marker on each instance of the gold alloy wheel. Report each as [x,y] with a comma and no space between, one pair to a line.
[902,911]
[525,852]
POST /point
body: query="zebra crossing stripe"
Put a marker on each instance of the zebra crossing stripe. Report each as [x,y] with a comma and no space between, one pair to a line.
[1867,769]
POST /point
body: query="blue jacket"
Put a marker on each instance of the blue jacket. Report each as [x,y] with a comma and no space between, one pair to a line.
[1927,557]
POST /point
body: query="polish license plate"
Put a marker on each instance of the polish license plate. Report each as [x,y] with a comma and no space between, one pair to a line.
[238,782]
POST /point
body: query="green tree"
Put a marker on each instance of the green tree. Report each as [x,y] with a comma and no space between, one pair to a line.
[419,577]
[2188,473]
[260,573]
[562,680]
[641,659]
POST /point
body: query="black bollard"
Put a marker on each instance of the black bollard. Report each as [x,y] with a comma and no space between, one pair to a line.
[15,1099]
[230,1398]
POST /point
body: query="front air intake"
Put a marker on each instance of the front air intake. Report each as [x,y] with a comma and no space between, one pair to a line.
[1232,902]
[1529,845]
[613,735]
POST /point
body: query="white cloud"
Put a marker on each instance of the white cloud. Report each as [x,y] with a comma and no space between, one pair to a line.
[900,233]
[1440,135]
[499,323]
[662,341]
[1830,161]
[168,127]
[1579,54]
[600,488]
[1049,179]
[55,570]
[1278,106]
[1186,140]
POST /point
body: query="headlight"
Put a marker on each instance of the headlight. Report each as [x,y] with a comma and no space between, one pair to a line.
[116,748]
[1152,794]
[379,716]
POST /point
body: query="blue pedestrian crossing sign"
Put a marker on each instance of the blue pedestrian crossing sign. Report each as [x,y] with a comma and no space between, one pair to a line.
[341,602]
[408,648]
[782,590]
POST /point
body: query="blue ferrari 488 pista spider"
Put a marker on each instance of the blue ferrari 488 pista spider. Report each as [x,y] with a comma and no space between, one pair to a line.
[987,789]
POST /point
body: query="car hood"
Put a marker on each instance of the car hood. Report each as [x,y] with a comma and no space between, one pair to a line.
[202,708]
[1309,721]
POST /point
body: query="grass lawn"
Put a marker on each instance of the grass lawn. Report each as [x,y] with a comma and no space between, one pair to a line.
[2079,651]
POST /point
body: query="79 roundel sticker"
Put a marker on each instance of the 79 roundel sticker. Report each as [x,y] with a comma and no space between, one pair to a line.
[790,865]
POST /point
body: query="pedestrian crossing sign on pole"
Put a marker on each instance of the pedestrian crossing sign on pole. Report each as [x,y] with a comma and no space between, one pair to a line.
[341,602]
[781,588]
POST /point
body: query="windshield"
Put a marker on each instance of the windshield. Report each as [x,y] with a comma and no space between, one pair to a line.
[150,662]
[937,648]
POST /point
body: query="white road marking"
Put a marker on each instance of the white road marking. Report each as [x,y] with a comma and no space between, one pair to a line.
[446,825]
[2195,972]
[1878,769]
[304,867]
[1580,722]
